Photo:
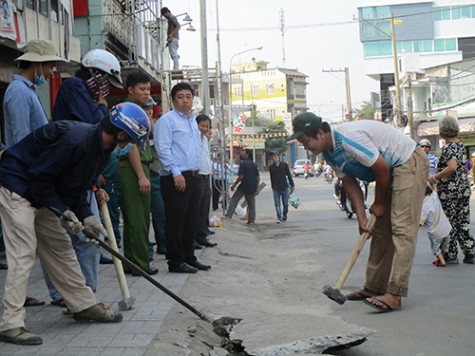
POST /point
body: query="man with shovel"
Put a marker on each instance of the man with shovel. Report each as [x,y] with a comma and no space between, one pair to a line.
[373,151]
[50,170]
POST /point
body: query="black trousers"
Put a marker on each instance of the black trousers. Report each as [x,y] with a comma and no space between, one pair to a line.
[218,186]
[203,214]
[181,210]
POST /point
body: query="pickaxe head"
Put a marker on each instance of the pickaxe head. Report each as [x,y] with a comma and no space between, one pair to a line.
[334,294]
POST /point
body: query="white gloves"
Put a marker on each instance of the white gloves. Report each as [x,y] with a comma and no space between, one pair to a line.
[70,222]
[93,227]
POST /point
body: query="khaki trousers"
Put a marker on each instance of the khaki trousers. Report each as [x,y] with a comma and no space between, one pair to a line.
[28,230]
[393,245]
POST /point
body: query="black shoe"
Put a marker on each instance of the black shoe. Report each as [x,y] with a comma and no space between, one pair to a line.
[183,268]
[105,260]
[284,218]
[205,242]
[197,264]
[470,259]
[211,232]
[150,272]
[197,246]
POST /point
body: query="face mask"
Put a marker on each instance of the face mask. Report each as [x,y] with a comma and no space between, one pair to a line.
[97,83]
[39,80]
[276,160]
[122,151]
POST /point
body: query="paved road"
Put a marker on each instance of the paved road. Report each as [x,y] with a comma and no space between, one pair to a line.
[270,276]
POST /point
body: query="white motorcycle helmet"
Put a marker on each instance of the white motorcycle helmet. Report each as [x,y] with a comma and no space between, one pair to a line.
[106,62]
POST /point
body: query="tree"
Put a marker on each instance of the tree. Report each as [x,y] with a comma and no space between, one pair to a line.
[365,112]
[276,143]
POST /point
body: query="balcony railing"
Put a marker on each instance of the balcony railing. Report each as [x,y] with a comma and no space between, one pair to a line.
[137,29]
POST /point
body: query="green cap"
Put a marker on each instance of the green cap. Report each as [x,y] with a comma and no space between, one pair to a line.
[305,122]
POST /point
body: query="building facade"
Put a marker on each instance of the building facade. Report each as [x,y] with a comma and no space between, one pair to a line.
[275,94]
[429,33]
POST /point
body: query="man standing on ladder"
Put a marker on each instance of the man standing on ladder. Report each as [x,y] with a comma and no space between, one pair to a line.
[172,36]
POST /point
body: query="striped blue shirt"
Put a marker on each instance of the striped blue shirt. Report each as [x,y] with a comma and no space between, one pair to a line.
[358,144]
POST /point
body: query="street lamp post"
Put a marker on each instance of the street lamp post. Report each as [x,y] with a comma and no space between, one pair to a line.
[231,141]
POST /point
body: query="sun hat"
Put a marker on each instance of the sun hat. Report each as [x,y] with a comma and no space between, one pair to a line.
[39,51]
[449,126]
[425,142]
[305,122]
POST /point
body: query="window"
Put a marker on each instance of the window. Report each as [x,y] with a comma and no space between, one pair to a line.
[422,46]
[367,13]
[384,27]
[254,90]
[384,48]
[472,11]
[368,30]
[377,49]
[237,90]
[462,12]
[407,46]
[444,45]
[300,88]
[442,13]
[383,12]
[270,89]
[450,44]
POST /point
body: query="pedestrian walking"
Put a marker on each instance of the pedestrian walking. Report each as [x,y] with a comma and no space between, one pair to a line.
[248,180]
[281,180]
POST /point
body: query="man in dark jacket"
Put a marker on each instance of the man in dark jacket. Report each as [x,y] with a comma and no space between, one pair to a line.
[51,169]
[279,174]
[248,180]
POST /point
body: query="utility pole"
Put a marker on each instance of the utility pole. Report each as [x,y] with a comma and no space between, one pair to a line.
[348,94]
[410,115]
[397,108]
[204,59]
[349,113]
[282,31]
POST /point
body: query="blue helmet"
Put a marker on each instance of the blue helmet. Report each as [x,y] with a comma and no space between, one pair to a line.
[131,118]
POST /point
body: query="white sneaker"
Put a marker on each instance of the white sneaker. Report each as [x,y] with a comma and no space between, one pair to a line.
[278,221]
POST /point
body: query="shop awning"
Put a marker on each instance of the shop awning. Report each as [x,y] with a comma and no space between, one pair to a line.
[431,128]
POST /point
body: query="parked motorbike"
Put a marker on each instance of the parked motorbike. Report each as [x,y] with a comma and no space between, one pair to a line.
[345,203]
[328,177]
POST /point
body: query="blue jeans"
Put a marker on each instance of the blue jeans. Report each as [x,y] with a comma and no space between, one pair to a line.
[157,209]
[173,48]
[284,196]
[87,253]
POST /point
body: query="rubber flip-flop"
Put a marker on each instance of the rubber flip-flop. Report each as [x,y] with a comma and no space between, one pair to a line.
[383,309]
[359,295]
[33,302]
[59,303]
